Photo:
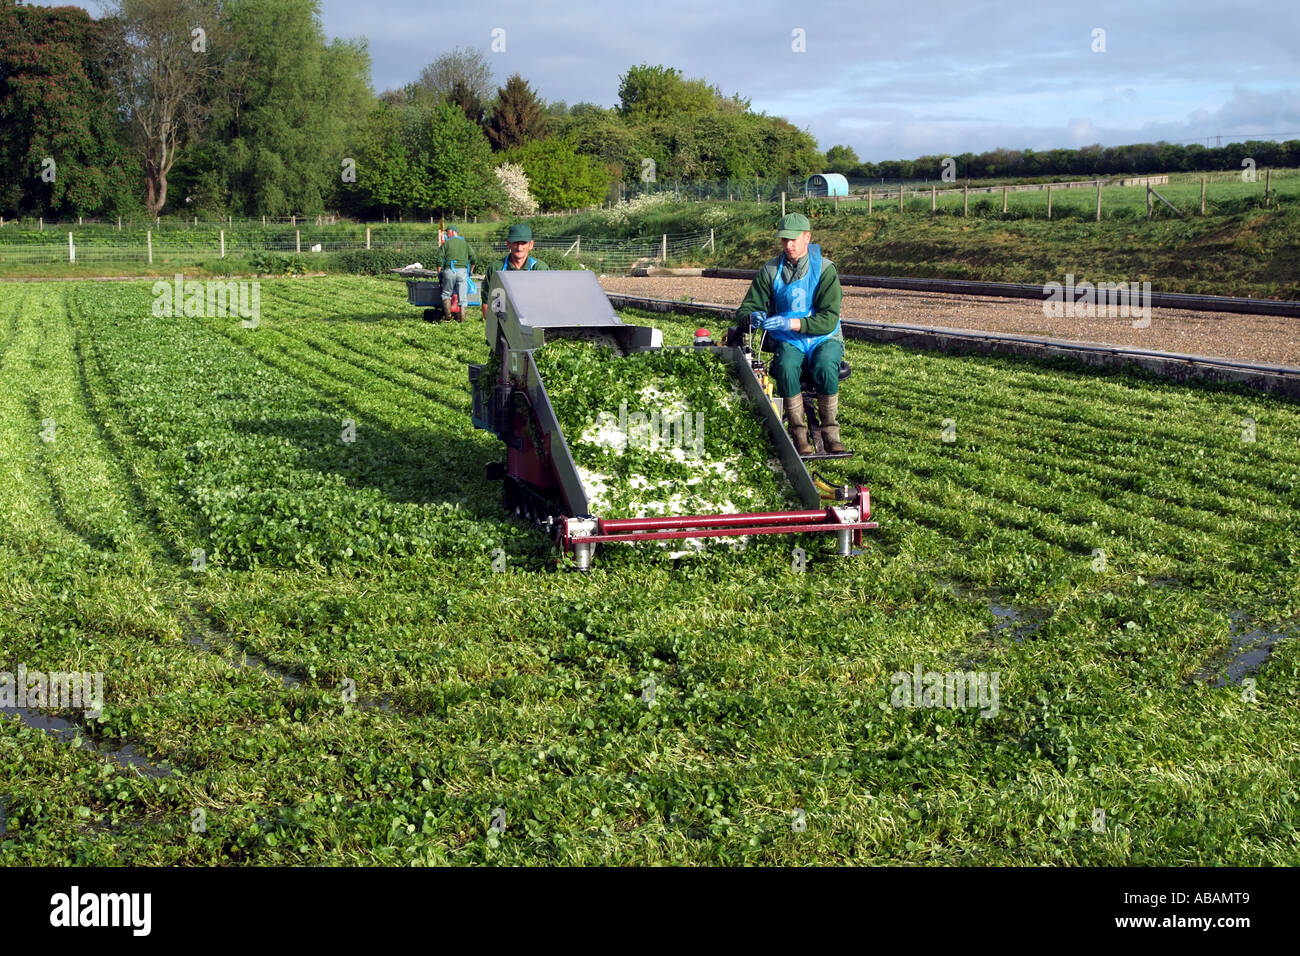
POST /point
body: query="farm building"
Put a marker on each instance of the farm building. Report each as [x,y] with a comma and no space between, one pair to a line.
[826,184]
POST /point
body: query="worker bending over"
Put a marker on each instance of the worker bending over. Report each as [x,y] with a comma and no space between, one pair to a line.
[517,259]
[455,262]
[796,299]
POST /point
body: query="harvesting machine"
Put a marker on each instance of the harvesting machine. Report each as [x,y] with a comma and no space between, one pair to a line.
[542,482]
[424,288]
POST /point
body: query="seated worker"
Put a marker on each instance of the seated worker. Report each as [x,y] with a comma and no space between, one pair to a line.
[454,264]
[517,259]
[796,298]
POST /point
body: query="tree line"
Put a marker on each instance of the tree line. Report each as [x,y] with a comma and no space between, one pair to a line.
[1087,161]
[244,107]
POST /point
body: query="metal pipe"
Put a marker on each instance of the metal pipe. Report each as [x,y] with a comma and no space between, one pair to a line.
[725,532]
[746,519]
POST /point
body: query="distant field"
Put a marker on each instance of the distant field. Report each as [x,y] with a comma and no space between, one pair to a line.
[181,490]
[1240,247]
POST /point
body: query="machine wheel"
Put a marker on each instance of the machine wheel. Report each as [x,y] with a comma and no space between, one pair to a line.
[432,315]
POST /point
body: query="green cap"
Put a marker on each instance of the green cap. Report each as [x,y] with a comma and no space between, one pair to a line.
[792,226]
[520,233]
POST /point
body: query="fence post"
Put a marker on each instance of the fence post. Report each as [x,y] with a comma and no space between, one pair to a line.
[230,221]
[1268,175]
[1004,200]
[72,251]
[148,241]
[1148,202]
[264,221]
[1099,200]
[783,205]
[196,222]
[1049,200]
[577,247]
[663,254]
[712,247]
[965,198]
[79,221]
[900,197]
[297,241]
[868,200]
[222,236]
[1202,195]
[367,237]
[932,197]
[41,221]
[293,220]
[119,223]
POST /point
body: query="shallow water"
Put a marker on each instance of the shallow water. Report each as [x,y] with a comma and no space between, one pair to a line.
[127,755]
[1247,653]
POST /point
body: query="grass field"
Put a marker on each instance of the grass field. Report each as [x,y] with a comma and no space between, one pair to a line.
[1242,246]
[186,515]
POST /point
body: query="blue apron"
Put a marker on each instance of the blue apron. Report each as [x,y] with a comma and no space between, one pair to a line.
[528,266]
[471,287]
[794,300]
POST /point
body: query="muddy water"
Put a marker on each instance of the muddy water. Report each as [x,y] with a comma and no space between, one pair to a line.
[1249,650]
[127,755]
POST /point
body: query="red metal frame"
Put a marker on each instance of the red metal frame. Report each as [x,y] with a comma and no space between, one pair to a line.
[532,465]
[668,527]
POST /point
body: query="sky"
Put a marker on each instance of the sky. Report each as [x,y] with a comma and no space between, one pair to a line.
[892,80]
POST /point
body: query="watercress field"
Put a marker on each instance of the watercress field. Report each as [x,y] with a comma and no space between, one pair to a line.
[244,528]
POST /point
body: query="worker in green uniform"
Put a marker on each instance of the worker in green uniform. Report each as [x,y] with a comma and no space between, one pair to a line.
[520,238]
[796,299]
[454,264]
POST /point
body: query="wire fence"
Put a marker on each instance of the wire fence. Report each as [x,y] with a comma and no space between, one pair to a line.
[95,245]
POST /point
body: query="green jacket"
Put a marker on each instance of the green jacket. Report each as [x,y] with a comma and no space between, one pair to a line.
[826,299]
[457,248]
[493,267]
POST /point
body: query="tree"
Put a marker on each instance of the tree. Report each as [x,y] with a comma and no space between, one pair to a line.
[514,181]
[656,92]
[468,102]
[284,113]
[161,78]
[517,116]
[558,176]
[420,157]
[458,163]
[467,66]
[55,104]
[842,159]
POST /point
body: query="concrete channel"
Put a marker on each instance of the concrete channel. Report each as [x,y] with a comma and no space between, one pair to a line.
[1280,380]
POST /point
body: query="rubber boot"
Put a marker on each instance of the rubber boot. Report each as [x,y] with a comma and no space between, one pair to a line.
[446,309]
[794,414]
[828,407]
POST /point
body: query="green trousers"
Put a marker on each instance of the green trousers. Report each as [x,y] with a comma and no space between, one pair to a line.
[824,364]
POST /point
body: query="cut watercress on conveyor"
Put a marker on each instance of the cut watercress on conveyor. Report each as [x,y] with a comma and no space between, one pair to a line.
[661,432]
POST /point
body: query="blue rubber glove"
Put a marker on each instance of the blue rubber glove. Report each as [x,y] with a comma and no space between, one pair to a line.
[776,323]
[756,319]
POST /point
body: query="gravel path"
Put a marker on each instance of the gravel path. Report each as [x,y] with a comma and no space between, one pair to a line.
[1254,338]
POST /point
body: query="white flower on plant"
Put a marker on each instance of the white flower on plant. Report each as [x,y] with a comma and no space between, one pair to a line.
[514,181]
